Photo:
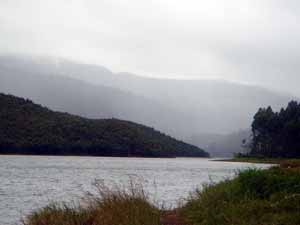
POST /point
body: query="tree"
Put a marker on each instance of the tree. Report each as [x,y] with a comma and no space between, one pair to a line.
[277,134]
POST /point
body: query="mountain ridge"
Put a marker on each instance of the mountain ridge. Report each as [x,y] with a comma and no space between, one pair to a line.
[28,128]
[182,108]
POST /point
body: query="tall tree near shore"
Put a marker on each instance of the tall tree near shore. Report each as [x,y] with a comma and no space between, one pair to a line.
[277,134]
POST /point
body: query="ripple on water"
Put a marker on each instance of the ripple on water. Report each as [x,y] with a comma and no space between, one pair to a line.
[30,182]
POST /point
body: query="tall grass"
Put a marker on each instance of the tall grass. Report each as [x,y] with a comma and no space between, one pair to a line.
[110,206]
[254,197]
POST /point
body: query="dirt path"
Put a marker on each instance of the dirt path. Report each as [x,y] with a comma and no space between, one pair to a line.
[172,218]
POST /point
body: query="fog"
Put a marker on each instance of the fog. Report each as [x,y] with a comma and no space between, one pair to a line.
[249,41]
[197,70]
[182,108]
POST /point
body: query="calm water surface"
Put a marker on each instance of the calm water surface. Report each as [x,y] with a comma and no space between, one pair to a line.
[30,182]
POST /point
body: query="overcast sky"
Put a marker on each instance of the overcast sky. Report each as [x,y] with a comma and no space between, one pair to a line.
[252,41]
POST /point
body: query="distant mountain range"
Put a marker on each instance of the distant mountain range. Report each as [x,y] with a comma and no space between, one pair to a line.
[223,145]
[182,108]
[28,128]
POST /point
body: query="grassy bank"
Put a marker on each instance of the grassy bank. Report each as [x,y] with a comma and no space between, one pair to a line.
[253,197]
[115,206]
[265,197]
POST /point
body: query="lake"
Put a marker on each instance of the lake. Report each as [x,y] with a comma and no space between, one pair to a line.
[30,182]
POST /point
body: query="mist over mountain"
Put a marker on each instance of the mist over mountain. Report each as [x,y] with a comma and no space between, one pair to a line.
[223,145]
[39,82]
[182,108]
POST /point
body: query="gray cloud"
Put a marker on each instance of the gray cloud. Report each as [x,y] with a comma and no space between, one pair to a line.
[250,41]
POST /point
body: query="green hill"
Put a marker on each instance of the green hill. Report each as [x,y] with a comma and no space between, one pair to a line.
[28,128]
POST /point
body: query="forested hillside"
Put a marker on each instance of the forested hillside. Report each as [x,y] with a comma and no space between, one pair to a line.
[28,128]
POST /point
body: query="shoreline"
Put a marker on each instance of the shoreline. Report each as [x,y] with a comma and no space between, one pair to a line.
[208,206]
[252,160]
[275,161]
[105,156]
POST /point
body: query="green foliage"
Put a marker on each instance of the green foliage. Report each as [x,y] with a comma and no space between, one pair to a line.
[253,197]
[277,134]
[27,128]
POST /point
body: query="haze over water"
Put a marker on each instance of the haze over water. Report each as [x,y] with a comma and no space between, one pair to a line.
[30,182]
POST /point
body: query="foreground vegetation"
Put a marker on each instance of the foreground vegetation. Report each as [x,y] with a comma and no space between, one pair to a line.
[269,197]
[28,128]
[264,197]
[110,207]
